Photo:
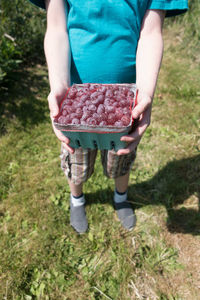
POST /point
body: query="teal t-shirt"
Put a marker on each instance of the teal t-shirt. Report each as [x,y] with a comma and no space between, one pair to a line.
[104,34]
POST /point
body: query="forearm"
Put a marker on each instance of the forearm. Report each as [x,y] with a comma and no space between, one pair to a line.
[149,52]
[57,52]
[148,62]
[56,45]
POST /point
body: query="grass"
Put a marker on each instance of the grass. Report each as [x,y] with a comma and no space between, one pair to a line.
[41,257]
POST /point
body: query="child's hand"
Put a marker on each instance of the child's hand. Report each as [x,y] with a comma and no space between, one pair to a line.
[54,99]
[142,112]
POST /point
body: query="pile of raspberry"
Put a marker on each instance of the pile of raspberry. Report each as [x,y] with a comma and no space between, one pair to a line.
[99,105]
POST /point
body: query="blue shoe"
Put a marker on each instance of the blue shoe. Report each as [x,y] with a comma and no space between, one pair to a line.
[78,218]
[125,214]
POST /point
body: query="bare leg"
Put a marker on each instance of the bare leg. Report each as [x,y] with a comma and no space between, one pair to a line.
[121,183]
[76,190]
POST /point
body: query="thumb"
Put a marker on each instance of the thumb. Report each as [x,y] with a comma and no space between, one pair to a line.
[53,106]
[141,107]
[138,110]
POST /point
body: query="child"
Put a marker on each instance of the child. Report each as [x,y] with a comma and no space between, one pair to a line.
[104,41]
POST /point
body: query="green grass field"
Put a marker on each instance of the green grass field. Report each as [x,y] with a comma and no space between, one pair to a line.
[41,257]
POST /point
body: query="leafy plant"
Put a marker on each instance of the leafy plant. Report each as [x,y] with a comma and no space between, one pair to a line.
[21,33]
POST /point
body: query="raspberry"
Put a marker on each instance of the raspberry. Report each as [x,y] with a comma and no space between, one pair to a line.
[94,95]
[119,123]
[86,90]
[64,120]
[118,114]
[102,89]
[74,116]
[109,93]
[61,120]
[125,89]
[72,93]
[80,93]
[96,86]
[118,98]
[118,110]
[123,103]
[74,104]
[80,105]
[107,102]
[95,102]
[100,98]
[84,97]
[103,117]
[64,112]
[126,111]
[92,107]
[85,109]
[102,123]
[115,105]
[83,122]
[75,121]
[125,120]
[110,109]
[100,109]
[111,119]
[123,95]
[86,115]
[91,88]
[91,121]
[87,103]
[79,112]
[130,94]
[71,109]
[96,117]
[87,85]
[68,102]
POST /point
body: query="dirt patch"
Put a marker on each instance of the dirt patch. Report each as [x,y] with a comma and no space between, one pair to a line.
[187,282]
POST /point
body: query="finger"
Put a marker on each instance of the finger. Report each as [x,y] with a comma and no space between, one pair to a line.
[65,141]
[68,148]
[61,136]
[129,148]
[127,138]
[135,135]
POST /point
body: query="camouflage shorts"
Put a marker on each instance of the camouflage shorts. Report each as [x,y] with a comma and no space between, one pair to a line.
[79,166]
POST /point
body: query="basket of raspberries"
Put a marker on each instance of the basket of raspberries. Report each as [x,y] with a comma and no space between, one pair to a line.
[97,115]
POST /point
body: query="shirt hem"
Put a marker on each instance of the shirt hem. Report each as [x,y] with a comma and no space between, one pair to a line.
[171,9]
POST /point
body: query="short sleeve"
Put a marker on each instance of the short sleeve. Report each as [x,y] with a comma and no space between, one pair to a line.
[172,7]
[40,3]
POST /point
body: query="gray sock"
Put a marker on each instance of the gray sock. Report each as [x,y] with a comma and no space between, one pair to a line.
[124,210]
[78,218]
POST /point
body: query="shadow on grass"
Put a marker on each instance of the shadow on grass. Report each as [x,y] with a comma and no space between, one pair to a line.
[19,98]
[170,187]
